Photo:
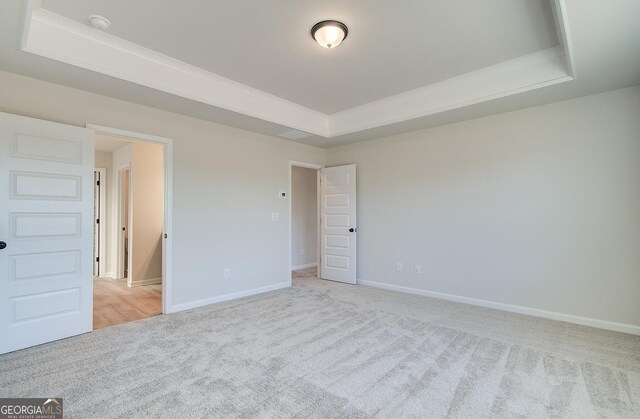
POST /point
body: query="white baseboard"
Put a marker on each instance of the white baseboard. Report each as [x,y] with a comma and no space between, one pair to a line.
[109,275]
[308,265]
[149,281]
[569,318]
[226,297]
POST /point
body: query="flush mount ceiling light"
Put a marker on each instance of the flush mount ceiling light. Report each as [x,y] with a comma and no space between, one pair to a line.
[100,22]
[329,33]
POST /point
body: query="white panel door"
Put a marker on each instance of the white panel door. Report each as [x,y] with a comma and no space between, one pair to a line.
[338,223]
[46,229]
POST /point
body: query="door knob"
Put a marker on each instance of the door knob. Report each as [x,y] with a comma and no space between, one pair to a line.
[3,245]
[351,230]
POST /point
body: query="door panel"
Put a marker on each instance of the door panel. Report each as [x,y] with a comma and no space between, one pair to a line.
[46,219]
[39,186]
[44,225]
[338,216]
[44,305]
[44,265]
[48,149]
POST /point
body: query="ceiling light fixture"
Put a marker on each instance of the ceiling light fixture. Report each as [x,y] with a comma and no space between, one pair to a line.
[329,33]
[100,22]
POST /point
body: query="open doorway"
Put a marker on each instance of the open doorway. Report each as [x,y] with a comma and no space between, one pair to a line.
[129,230]
[304,221]
[335,218]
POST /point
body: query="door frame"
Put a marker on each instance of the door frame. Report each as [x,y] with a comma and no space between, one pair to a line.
[118,227]
[102,226]
[317,168]
[167,246]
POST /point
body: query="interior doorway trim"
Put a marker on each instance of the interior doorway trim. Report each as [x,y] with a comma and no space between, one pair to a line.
[100,222]
[167,256]
[120,253]
[317,167]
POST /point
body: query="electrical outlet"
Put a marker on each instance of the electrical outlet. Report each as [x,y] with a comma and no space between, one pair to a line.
[227,273]
[418,269]
[398,267]
[275,216]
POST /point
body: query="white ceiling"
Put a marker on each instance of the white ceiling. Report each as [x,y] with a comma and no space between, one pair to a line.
[604,38]
[391,47]
[108,143]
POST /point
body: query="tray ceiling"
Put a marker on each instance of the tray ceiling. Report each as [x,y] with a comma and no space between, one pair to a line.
[256,66]
[392,47]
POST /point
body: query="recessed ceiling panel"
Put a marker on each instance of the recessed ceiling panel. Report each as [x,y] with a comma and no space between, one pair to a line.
[392,47]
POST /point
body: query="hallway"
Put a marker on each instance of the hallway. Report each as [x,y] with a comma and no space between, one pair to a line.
[115,303]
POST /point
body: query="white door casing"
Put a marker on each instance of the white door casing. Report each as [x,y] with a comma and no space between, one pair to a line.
[96,225]
[46,220]
[338,223]
[124,227]
[100,221]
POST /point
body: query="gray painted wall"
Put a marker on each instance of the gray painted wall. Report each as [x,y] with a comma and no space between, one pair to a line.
[225,186]
[537,208]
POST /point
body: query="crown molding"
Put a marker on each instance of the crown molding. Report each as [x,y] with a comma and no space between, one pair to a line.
[56,37]
[533,71]
[561,21]
[53,36]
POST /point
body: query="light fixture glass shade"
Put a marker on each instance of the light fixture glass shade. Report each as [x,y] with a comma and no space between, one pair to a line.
[329,33]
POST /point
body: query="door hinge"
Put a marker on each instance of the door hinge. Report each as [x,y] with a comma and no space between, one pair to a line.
[165,235]
[97,221]
[97,259]
[98,183]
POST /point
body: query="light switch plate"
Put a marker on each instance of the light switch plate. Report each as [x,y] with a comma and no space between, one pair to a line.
[275,216]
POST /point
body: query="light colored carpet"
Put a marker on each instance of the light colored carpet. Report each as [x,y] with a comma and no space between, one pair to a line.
[327,350]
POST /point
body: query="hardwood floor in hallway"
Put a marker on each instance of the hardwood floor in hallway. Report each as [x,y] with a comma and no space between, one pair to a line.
[115,303]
